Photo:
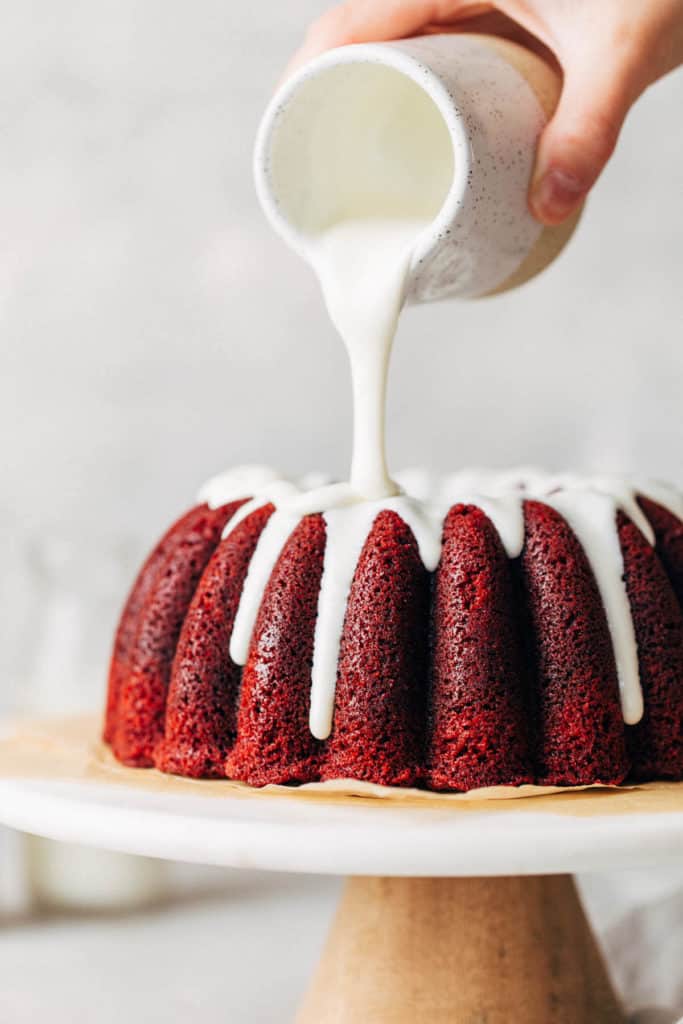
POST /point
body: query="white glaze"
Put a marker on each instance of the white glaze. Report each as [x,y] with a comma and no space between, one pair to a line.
[592,518]
[589,505]
[236,484]
[273,538]
[348,529]
[662,494]
[362,265]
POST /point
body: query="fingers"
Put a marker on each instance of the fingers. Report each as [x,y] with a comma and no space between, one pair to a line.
[601,81]
[358,21]
[580,138]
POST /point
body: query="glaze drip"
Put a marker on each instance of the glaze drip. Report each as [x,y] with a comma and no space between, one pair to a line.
[362,265]
[589,504]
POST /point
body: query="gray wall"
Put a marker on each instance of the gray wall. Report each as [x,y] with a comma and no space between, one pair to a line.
[154,331]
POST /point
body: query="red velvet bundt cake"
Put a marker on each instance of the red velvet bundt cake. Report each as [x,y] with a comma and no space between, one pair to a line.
[486,630]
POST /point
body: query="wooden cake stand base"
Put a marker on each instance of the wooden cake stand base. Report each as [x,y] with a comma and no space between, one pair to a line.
[463,951]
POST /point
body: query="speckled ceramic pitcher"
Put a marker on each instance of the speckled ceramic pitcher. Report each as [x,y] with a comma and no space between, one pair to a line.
[443,125]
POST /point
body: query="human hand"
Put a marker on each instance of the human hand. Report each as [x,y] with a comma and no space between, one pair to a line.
[609,52]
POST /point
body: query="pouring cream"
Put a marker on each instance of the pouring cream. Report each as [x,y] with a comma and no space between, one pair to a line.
[362,267]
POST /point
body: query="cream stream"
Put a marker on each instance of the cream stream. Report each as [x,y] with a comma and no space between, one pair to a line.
[362,266]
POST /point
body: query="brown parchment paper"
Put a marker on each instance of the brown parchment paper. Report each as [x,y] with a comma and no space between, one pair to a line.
[70,749]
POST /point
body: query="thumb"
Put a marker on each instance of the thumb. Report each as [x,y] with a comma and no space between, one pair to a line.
[579,140]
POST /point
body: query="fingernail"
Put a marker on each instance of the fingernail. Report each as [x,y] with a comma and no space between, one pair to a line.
[555,195]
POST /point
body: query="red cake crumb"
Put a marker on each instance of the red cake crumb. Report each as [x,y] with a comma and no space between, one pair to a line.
[477,721]
[656,743]
[142,692]
[669,534]
[201,707]
[124,641]
[274,742]
[579,729]
[382,678]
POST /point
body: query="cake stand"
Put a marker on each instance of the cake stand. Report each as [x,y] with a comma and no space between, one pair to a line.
[460,911]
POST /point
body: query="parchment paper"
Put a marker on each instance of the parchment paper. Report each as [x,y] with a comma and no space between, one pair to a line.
[70,749]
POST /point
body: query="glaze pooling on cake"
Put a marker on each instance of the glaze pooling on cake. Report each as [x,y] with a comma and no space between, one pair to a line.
[590,505]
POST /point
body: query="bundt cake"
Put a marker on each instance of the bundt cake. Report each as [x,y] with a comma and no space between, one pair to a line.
[482,630]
